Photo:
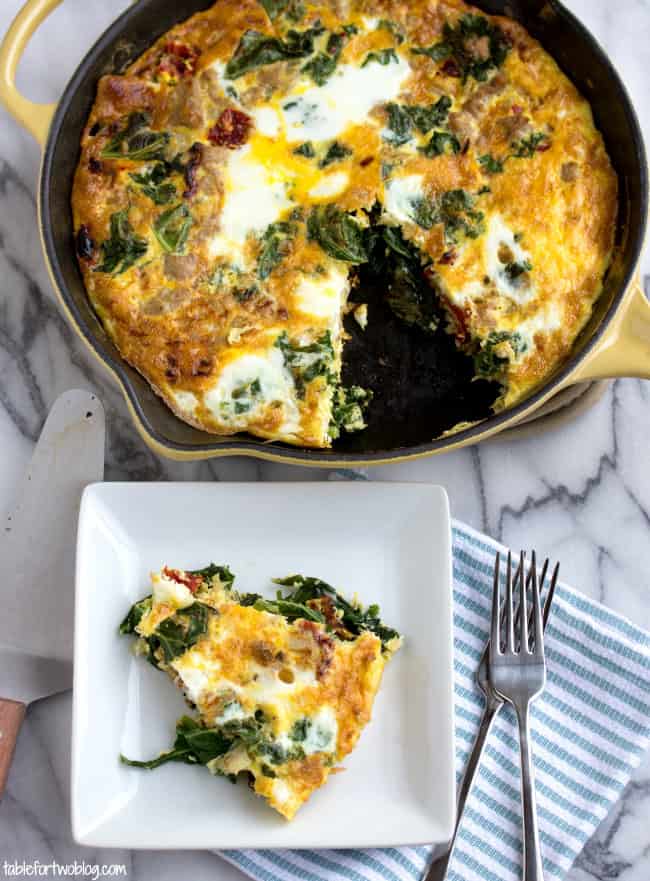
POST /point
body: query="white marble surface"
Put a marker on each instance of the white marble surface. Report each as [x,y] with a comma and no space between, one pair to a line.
[580,493]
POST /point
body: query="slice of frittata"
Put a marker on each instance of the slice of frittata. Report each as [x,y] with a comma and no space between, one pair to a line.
[282,688]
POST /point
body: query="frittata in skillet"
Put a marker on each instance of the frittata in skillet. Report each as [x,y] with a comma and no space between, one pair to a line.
[282,688]
[240,177]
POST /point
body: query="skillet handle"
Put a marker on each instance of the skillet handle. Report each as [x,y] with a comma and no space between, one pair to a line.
[34,117]
[625,351]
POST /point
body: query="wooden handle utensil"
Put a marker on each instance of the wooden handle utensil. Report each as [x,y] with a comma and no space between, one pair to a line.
[12,714]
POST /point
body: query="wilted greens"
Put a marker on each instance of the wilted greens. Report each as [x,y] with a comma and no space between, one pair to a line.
[123,247]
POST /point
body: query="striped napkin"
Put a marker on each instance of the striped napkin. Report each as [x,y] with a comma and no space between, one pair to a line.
[590,729]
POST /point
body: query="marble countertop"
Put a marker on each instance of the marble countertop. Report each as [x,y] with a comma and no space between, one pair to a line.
[581,491]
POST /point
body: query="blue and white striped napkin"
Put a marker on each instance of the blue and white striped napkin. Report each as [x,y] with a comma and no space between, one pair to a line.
[591,728]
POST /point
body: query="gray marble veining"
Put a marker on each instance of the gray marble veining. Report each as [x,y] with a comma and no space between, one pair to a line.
[582,491]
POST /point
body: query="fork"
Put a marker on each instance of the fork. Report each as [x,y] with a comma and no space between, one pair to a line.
[517,672]
[437,870]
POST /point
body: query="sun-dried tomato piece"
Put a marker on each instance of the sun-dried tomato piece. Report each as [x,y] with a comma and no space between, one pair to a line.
[231,129]
[460,319]
[178,59]
[192,582]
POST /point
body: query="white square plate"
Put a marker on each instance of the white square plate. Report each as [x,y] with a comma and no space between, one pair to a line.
[390,543]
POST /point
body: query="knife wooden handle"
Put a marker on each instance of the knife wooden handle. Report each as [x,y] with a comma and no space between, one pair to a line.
[12,714]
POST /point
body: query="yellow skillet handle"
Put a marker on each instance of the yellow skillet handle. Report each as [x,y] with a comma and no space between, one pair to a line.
[34,117]
[625,351]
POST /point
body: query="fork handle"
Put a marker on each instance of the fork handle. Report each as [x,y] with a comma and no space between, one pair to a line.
[437,870]
[533,870]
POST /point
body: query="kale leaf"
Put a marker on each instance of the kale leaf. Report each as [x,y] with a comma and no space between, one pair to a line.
[135,615]
[348,405]
[403,118]
[195,745]
[454,209]
[306,149]
[292,611]
[382,56]
[515,270]
[491,164]
[354,619]
[155,185]
[385,25]
[211,571]
[276,242]
[475,45]
[525,148]
[257,50]
[308,361]
[488,363]
[136,141]
[408,293]
[338,234]
[123,247]
[321,67]
[335,152]
[179,632]
[172,228]
[439,144]
[291,9]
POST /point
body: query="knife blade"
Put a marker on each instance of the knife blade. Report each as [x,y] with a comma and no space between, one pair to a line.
[37,545]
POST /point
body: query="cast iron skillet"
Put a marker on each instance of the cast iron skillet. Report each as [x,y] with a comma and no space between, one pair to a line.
[421,389]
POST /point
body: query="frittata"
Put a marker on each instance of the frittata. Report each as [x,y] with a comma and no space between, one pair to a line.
[281,688]
[242,176]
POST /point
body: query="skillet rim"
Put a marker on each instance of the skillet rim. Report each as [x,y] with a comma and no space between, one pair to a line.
[332,457]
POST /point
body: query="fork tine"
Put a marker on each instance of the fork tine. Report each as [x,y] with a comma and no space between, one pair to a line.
[538,628]
[548,599]
[509,615]
[542,577]
[495,636]
[523,605]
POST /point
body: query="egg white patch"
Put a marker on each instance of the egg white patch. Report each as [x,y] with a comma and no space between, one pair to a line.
[500,236]
[281,792]
[323,295]
[185,401]
[318,113]
[267,121]
[170,592]
[232,712]
[330,185]
[275,384]
[322,733]
[547,319]
[269,688]
[255,196]
[195,678]
[400,194]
